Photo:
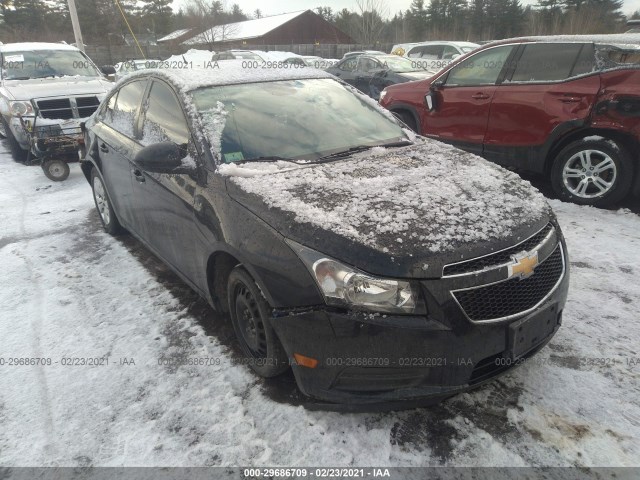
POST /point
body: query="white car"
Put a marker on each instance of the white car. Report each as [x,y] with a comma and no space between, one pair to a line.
[46,91]
[433,55]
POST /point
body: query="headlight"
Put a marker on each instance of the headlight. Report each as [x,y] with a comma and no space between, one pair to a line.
[383,94]
[345,286]
[20,108]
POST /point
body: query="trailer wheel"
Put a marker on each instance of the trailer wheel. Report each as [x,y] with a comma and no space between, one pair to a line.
[56,170]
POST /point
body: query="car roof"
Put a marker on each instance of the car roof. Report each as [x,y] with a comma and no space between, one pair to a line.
[631,40]
[445,42]
[230,72]
[30,46]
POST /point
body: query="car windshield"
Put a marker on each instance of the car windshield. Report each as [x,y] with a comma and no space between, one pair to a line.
[24,65]
[294,119]
[399,64]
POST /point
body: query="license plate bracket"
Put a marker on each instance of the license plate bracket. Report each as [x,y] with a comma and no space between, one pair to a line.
[525,334]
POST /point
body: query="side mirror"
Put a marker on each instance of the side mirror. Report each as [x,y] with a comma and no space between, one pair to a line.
[108,69]
[437,85]
[430,97]
[164,157]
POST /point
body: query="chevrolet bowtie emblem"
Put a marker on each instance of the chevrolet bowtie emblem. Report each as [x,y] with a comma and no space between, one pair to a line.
[523,265]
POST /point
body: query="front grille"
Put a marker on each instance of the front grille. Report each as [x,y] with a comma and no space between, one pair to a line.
[63,108]
[87,105]
[497,258]
[514,296]
[56,108]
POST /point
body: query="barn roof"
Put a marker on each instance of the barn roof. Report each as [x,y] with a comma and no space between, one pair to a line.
[243,30]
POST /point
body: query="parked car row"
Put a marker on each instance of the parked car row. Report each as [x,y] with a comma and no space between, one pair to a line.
[381,266]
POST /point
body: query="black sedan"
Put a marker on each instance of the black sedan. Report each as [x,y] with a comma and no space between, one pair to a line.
[371,74]
[380,266]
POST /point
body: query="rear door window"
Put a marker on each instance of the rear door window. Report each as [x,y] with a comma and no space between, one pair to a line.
[163,119]
[449,52]
[124,114]
[548,62]
[349,65]
[430,52]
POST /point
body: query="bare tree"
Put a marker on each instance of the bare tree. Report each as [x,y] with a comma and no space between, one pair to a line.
[372,19]
[211,21]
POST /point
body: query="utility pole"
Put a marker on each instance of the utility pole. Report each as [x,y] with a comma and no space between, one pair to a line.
[76,24]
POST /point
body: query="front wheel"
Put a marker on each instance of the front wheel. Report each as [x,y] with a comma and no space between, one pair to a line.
[594,172]
[250,315]
[18,154]
[103,205]
[56,170]
[408,120]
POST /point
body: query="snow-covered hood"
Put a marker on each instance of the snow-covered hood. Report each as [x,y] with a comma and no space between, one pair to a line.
[56,87]
[403,211]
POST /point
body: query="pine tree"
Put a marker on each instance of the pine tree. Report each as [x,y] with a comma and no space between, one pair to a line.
[157,15]
[417,19]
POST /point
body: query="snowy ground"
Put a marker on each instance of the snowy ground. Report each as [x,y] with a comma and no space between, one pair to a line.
[69,290]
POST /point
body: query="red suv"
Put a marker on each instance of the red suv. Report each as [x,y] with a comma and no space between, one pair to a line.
[567,107]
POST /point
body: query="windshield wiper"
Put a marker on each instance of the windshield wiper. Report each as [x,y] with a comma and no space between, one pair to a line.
[362,148]
[346,153]
[18,78]
[267,158]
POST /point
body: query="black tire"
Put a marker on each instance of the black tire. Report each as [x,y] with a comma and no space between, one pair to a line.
[596,172]
[408,119]
[250,318]
[106,213]
[18,154]
[56,170]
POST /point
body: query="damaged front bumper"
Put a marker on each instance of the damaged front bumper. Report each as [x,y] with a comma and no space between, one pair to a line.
[47,138]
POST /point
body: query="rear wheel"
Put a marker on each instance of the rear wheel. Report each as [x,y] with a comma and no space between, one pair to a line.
[19,155]
[250,315]
[595,172]
[103,205]
[56,170]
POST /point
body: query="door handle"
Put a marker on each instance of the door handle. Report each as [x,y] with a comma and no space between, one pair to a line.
[569,100]
[104,148]
[480,96]
[138,174]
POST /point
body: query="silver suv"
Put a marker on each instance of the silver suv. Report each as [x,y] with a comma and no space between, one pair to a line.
[46,90]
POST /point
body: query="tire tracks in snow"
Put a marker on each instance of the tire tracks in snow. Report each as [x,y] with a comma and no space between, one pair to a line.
[35,322]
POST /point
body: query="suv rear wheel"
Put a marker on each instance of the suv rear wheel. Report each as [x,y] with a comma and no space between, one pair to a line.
[594,171]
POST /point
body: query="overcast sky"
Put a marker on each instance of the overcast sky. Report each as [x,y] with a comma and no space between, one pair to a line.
[284,6]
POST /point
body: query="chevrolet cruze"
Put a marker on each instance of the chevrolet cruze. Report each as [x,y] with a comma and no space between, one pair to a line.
[382,267]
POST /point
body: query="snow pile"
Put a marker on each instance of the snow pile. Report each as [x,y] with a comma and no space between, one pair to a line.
[429,195]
